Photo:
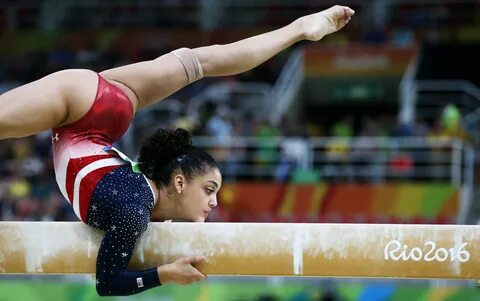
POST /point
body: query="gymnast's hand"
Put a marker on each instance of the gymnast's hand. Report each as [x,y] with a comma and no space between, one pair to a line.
[182,271]
[318,25]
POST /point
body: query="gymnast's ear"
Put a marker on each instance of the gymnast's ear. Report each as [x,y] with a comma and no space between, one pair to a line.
[180,182]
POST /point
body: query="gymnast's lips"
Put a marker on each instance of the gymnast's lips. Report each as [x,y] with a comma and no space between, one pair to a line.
[206,212]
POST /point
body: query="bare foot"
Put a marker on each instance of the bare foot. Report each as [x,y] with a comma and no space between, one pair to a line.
[328,21]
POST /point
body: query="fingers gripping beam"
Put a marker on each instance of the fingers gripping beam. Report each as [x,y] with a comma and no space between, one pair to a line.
[333,250]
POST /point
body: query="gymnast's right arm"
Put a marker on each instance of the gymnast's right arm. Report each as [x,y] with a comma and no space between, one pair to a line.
[116,249]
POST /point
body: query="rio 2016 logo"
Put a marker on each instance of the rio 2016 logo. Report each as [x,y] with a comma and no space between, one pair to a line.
[395,250]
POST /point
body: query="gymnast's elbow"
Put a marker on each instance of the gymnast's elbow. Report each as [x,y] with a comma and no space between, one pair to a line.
[109,289]
[103,290]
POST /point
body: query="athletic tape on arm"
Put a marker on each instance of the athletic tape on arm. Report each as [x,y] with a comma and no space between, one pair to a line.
[190,62]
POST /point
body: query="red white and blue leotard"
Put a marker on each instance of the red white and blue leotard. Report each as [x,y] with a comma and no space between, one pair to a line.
[79,159]
[104,190]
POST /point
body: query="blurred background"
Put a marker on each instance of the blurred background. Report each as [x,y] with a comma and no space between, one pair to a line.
[375,124]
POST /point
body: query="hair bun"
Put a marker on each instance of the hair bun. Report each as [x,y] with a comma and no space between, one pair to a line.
[183,139]
[164,146]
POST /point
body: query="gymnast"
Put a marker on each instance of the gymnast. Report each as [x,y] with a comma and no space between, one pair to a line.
[88,111]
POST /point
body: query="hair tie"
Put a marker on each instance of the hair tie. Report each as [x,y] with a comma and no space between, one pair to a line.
[179,159]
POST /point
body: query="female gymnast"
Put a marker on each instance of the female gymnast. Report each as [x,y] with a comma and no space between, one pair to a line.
[87,112]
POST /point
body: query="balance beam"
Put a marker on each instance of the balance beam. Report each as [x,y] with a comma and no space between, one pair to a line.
[330,250]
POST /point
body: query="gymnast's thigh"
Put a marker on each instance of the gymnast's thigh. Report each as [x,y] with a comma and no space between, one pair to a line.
[52,101]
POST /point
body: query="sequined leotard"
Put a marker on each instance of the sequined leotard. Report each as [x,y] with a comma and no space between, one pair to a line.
[104,190]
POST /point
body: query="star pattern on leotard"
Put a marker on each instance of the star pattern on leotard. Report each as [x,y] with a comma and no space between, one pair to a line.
[121,206]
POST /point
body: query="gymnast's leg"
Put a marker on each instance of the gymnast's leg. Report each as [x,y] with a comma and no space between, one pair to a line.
[54,100]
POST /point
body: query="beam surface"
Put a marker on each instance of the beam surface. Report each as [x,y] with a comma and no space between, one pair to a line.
[331,250]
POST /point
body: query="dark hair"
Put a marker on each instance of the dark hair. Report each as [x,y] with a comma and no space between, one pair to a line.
[169,151]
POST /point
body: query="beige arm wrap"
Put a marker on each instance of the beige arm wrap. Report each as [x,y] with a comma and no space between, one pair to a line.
[190,62]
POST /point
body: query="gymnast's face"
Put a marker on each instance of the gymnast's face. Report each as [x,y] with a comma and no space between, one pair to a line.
[198,196]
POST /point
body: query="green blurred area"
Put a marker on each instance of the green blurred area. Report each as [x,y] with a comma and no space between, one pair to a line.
[37,290]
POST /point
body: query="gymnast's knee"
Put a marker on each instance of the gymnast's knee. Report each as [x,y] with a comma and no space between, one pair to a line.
[3,132]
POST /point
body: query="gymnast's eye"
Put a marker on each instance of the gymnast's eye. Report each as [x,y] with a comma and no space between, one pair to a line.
[209,190]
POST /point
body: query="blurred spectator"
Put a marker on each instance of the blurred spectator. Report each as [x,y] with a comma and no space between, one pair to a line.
[337,150]
[450,124]
[294,152]
[267,152]
[87,56]
[185,122]
[375,35]
[59,59]
[403,37]
[401,164]
[219,125]
[18,188]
